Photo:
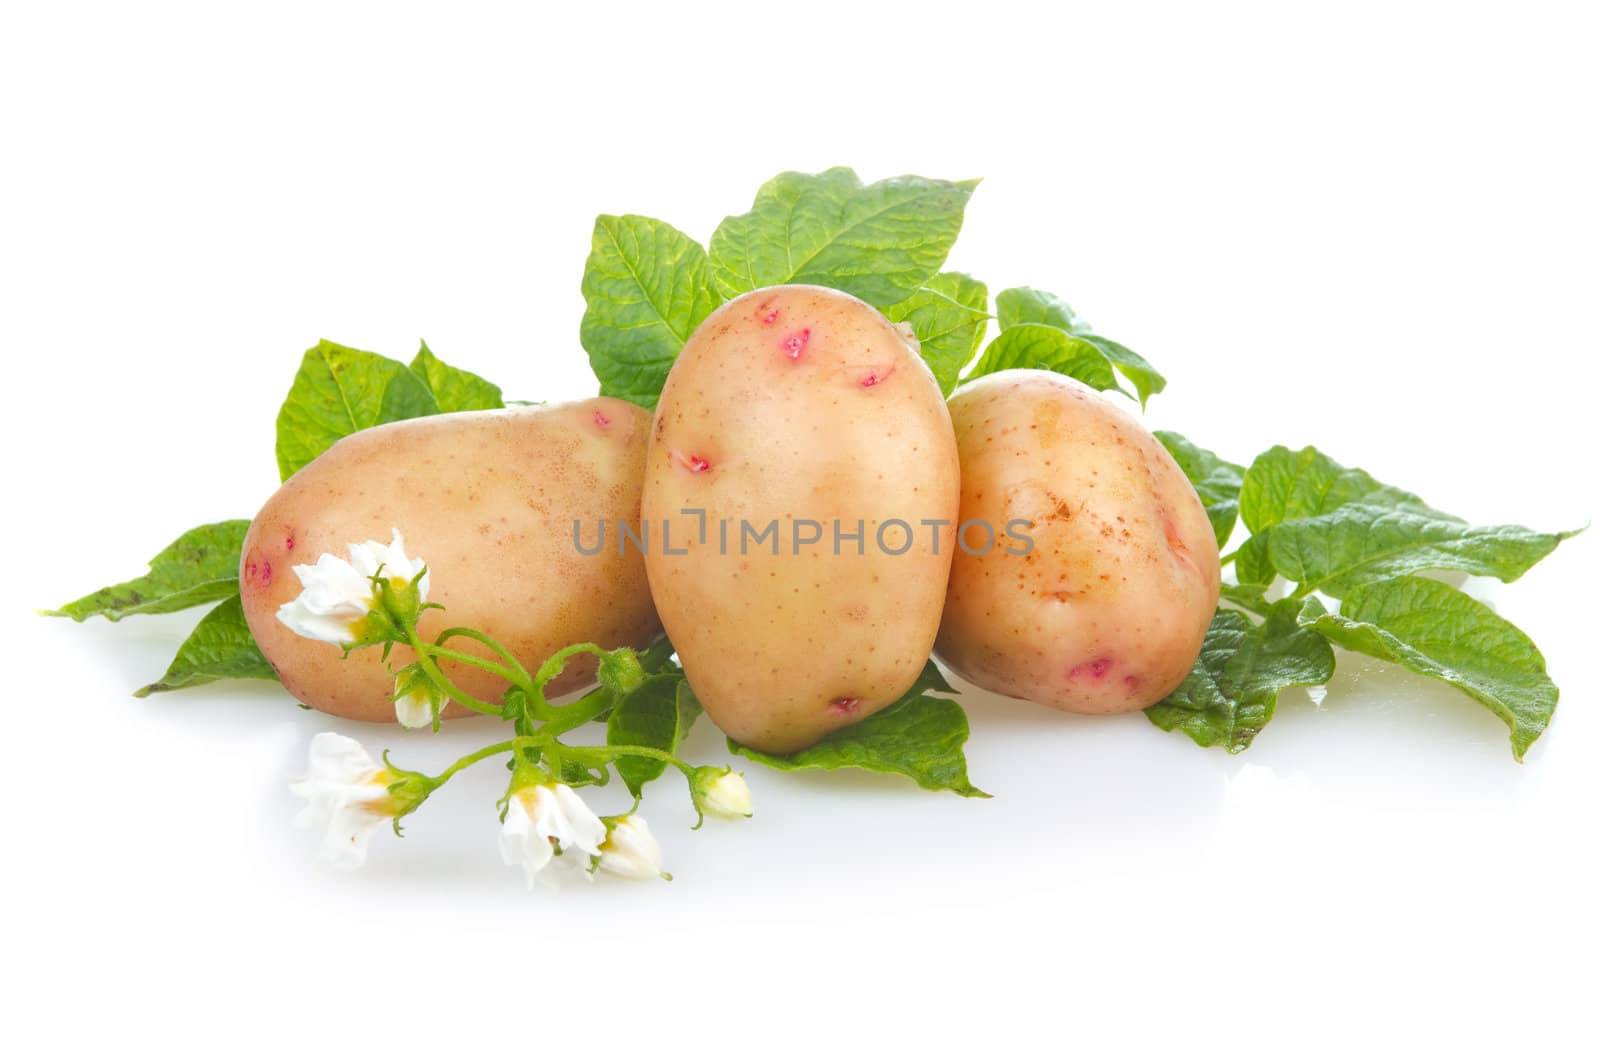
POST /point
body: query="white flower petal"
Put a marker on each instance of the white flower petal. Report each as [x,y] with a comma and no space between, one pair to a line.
[342,797]
[414,710]
[521,843]
[584,830]
[630,850]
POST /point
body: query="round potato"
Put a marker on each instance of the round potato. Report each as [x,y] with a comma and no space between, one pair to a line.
[804,413]
[488,500]
[1099,601]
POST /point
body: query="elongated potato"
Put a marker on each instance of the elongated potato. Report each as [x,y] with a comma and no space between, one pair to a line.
[1106,612]
[488,501]
[799,406]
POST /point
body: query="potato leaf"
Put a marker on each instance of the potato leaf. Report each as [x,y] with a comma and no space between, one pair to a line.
[659,714]
[1282,485]
[918,736]
[220,648]
[949,315]
[1232,691]
[879,242]
[1359,543]
[1252,563]
[455,389]
[200,566]
[646,286]
[1435,630]
[1023,306]
[340,391]
[1046,347]
[1215,480]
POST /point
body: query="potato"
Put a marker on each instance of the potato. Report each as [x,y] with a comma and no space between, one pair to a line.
[1106,612]
[488,501]
[801,406]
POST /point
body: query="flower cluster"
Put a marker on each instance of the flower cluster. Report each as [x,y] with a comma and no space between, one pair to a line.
[376,597]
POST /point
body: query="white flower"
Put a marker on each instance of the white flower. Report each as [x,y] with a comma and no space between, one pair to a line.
[539,819]
[337,594]
[723,793]
[348,797]
[630,851]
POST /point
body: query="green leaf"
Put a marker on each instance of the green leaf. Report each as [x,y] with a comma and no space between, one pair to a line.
[1023,306]
[949,314]
[879,242]
[200,566]
[1252,563]
[1215,480]
[1232,691]
[658,713]
[918,736]
[1360,543]
[1435,630]
[646,287]
[340,391]
[1282,485]
[455,389]
[220,648]
[1252,597]
[1046,347]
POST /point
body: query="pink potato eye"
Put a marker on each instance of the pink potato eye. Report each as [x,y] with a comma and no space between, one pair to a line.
[845,706]
[1090,670]
[258,571]
[794,344]
[601,420]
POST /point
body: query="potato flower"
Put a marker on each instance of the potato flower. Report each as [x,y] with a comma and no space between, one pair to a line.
[550,832]
[348,796]
[338,596]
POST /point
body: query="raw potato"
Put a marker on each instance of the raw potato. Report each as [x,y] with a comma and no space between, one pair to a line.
[1107,612]
[799,403]
[488,501]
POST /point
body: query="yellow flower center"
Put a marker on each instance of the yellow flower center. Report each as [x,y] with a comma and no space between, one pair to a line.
[388,805]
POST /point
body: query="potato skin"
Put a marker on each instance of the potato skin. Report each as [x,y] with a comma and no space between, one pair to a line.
[487,500]
[799,403]
[1107,611]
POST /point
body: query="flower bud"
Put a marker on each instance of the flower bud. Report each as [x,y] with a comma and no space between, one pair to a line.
[721,792]
[418,700]
[620,671]
[630,851]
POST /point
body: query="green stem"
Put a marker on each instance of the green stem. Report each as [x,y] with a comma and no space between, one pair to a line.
[508,675]
[1226,558]
[564,718]
[549,671]
[473,759]
[431,668]
[525,681]
[611,753]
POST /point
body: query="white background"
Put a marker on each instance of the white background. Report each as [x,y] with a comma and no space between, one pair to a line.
[1369,227]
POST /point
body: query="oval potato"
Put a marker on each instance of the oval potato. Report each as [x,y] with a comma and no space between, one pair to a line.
[487,500]
[1107,610]
[799,404]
